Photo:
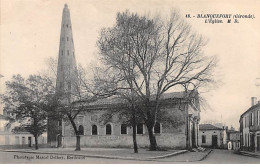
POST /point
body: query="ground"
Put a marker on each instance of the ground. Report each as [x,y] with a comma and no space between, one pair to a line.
[216,156]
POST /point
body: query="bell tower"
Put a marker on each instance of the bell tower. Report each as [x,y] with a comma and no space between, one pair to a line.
[66,81]
[66,70]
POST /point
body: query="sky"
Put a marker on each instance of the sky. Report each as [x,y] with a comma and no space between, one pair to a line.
[30,32]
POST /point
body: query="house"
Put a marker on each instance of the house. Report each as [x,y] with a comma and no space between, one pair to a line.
[10,139]
[212,136]
[250,127]
[233,139]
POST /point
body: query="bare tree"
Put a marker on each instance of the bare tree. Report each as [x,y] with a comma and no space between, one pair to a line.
[152,56]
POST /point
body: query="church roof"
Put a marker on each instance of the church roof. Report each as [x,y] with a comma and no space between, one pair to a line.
[119,100]
[208,127]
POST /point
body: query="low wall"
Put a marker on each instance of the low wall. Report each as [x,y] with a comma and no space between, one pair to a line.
[177,140]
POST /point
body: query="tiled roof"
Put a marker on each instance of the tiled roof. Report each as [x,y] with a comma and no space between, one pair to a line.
[251,108]
[117,100]
[208,127]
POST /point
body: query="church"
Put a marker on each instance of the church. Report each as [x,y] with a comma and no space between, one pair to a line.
[183,109]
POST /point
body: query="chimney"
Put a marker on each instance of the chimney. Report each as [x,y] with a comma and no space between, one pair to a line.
[253,101]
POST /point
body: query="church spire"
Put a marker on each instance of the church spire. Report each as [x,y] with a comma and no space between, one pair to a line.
[66,72]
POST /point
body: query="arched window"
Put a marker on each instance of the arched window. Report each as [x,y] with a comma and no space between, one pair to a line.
[157,128]
[108,129]
[123,129]
[81,130]
[94,130]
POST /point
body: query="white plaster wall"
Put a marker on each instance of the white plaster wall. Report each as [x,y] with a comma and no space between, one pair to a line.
[169,140]
[209,134]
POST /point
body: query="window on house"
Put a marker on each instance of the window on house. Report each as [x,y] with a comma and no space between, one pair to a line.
[157,128]
[81,130]
[123,129]
[203,138]
[94,130]
[258,113]
[251,119]
[140,129]
[108,129]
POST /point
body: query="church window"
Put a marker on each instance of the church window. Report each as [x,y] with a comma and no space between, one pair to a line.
[203,138]
[81,130]
[67,25]
[61,52]
[140,129]
[123,129]
[108,129]
[157,128]
[68,52]
[94,130]
[67,38]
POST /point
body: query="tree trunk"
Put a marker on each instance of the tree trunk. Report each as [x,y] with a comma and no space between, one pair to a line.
[36,142]
[134,132]
[153,143]
[77,143]
[76,132]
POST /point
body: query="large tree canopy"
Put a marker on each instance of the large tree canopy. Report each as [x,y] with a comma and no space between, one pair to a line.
[29,100]
[148,56]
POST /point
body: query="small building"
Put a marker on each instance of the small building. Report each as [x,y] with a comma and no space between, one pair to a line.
[233,139]
[212,136]
[10,139]
[250,127]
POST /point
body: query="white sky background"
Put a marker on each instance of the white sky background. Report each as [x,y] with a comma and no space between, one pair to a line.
[30,32]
